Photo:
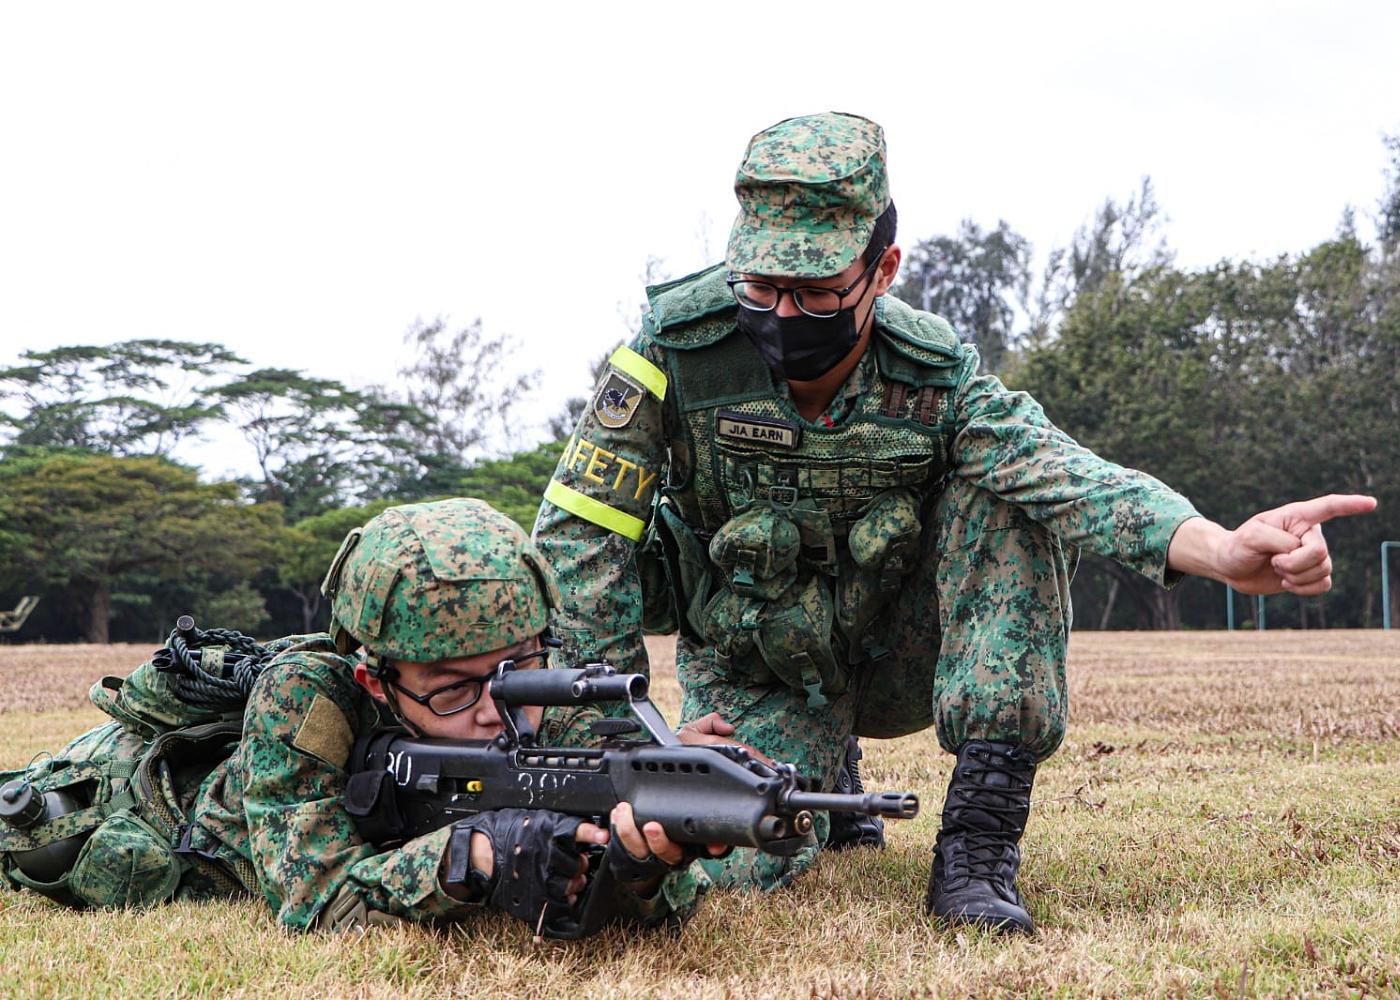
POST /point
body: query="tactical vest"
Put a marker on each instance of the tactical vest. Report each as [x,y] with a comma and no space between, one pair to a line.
[786,538]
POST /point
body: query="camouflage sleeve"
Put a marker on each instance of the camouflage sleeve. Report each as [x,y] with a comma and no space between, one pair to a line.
[301,841]
[1005,444]
[675,900]
[596,507]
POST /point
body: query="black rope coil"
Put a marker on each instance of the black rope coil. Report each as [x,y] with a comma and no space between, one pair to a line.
[217,686]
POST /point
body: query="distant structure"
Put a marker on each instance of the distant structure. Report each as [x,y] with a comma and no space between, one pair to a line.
[13,621]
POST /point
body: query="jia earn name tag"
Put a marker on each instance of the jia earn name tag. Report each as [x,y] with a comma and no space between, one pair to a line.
[756,430]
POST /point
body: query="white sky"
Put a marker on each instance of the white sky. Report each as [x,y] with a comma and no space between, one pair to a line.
[300,181]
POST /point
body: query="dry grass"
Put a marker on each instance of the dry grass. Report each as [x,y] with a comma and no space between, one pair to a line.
[1224,820]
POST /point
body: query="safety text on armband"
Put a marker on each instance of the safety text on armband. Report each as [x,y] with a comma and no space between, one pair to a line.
[607,468]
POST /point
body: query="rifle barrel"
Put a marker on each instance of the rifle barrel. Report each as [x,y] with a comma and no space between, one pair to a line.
[896,805]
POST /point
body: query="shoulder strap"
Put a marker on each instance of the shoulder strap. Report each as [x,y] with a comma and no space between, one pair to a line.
[914,347]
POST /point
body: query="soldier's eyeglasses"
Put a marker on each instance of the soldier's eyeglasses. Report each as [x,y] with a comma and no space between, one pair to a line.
[819,303]
[459,695]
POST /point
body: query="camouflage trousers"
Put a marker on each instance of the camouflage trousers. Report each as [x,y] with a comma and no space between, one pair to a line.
[977,640]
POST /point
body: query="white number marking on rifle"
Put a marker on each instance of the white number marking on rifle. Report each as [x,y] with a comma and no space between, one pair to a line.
[400,765]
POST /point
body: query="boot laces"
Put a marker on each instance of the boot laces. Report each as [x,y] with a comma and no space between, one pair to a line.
[990,854]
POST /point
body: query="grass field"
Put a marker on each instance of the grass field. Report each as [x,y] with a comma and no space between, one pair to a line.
[1223,820]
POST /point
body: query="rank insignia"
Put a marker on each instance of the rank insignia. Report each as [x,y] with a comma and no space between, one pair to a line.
[617,401]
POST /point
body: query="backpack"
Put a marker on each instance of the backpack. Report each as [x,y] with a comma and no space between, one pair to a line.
[103,823]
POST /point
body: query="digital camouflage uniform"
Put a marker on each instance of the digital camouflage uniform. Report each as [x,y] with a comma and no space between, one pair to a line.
[901,561]
[430,581]
[273,811]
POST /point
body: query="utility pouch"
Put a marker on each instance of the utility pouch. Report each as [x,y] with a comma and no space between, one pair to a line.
[145,700]
[884,548]
[757,551]
[125,862]
[687,567]
[794,639]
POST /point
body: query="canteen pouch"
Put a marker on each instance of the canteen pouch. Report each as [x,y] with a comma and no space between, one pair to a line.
[117,847]
[125,863]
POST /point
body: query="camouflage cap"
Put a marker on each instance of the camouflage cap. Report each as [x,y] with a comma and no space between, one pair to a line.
[809,190]
[430,581]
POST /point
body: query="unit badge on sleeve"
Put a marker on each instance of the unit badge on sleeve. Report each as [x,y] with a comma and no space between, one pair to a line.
[617,401]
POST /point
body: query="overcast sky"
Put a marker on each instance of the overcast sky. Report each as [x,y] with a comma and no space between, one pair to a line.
[301,181]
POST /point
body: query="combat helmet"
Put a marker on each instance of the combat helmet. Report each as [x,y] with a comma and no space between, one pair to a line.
[431,581]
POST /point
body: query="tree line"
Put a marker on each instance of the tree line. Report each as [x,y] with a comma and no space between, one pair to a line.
[1243,384]
[119,537]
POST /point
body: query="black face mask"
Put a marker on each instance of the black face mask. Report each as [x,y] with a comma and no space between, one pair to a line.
[801,347]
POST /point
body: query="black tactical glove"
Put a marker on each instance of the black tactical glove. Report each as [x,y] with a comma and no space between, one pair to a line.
[635,873]
[535,856]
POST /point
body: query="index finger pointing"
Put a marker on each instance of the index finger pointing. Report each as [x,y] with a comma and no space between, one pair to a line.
[1320,509]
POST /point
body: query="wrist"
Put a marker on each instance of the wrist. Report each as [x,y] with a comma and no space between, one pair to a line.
[1197,548]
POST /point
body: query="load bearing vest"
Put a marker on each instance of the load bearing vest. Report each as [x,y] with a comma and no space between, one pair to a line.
[757,477]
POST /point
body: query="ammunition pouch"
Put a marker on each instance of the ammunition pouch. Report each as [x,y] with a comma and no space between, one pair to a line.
[783,601]
[882,548]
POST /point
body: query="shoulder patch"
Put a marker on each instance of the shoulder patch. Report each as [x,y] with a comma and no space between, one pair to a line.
[617,400]
[324,733]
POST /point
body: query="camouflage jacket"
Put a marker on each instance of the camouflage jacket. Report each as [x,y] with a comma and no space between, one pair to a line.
[273,814]
[688,420]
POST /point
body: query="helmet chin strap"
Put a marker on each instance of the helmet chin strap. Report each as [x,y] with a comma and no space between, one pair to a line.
[381,669]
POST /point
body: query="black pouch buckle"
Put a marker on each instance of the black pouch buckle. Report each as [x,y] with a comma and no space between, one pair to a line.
[182,845]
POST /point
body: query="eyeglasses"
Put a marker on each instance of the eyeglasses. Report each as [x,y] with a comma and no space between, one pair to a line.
[459,695]
[819,303]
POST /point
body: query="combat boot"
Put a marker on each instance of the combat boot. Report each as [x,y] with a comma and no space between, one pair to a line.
[976,856]
[852,829]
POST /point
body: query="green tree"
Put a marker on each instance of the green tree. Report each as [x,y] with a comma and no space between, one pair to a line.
[976,280]
[1123,242]
[79,523]
[137,397]
[457,382]
[317,443]
[514,485]
[1389,217]
[310,546]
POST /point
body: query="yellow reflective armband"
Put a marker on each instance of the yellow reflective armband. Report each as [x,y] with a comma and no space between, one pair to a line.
[580,505]
[628,361]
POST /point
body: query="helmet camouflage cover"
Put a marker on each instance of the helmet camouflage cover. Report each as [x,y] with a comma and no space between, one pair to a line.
[431,581]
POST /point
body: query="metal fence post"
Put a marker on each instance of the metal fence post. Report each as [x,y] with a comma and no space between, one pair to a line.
[1385,583]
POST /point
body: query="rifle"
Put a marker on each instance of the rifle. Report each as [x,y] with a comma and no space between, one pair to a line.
[402,786]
